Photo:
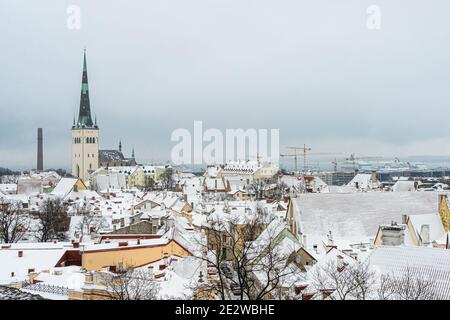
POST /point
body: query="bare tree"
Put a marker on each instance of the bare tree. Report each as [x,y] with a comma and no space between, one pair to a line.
[53,221]
[90,221]
[281,190]
[259,187]
[410,285]
[166,179]
[13,222]
[242,270]
[149,183]
[131,284]
[213,252]
[344,281]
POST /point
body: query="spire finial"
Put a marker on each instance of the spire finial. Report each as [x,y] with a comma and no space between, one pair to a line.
[132,153]
[120,145]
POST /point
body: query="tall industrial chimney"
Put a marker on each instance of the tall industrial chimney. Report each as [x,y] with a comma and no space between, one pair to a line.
[40,158]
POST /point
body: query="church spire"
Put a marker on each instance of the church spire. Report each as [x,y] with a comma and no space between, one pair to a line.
[84,117]
[120,145]
[132,153]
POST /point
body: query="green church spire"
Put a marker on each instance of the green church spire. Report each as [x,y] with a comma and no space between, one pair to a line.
[84,117]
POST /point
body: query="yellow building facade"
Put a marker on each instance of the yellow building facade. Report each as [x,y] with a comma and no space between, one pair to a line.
[128,257]
[444,211]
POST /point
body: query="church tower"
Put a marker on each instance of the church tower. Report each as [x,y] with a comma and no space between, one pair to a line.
[84,135]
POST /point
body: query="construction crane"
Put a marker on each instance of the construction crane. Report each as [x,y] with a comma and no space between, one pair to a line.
[305,150]
[295,156]
[334,163]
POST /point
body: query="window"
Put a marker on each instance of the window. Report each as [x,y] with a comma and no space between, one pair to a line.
[224,252]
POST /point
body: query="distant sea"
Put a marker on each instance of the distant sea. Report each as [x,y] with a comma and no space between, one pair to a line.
[318,163]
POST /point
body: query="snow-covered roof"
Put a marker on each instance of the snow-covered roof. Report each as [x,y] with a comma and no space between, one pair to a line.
[112,180]
[357,215]
[213,184]
[37,256]
[433,220]
[363,181]
[430,264]
[8,188]
[70,277]
[64,186]
[402,185]
[110,155]
[8,293]
[242,167]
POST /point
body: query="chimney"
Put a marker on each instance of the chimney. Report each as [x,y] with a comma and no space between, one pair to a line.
[330,238]
[150,271]
[40,152]
[316,248]
[88,278]
[393,234]
[340,263]
[12,274]
[404,218]
[425,234]
[75,245]
[373,176]
[20,254]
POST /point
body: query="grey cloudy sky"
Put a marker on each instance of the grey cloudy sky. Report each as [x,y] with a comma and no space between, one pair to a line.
[310,68]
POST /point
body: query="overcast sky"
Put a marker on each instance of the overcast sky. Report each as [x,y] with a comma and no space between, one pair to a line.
[310,68]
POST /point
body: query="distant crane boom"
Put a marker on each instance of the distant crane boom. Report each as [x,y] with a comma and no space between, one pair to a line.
[305,150]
